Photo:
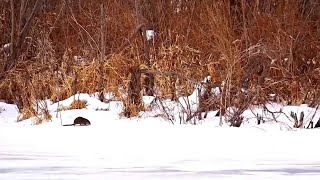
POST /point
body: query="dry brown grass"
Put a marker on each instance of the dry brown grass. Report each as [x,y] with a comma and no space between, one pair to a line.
[78,104]
[264,48]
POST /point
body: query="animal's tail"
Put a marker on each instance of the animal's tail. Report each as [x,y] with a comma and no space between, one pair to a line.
[68,125]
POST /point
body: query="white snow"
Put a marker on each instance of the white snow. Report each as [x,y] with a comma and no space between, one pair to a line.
[6,46]
[149,147]
[149,34]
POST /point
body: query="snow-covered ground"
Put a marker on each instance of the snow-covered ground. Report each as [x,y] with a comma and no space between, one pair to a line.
[149,147]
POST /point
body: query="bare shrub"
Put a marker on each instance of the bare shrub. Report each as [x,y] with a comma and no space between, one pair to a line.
[78,104]
[261,47]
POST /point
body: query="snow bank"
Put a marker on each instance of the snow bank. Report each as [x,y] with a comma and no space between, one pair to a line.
[150,147]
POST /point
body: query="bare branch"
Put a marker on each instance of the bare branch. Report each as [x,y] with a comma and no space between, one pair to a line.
[23,33]
[13,43]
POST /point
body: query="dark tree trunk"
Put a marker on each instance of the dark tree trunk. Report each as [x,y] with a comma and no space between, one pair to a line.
[149,81]
[134,88]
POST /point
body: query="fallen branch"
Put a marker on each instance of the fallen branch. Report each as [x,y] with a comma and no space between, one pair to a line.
[275,112]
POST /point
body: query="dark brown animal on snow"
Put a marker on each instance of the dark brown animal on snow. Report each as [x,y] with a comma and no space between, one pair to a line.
[79,121]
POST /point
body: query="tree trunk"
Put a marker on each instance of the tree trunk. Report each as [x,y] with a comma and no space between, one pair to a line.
[149,81]
[134,88]
[13,50]
[103,50]
[19,33]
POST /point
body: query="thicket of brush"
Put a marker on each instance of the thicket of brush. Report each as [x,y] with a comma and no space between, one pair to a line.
[252,48]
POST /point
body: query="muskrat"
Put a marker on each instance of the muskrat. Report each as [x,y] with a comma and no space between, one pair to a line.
[81,121]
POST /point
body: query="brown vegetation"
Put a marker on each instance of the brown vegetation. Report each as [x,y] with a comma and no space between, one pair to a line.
[64,47]
[78,104]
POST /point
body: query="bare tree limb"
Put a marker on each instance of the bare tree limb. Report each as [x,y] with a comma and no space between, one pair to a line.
[63,6]
[22,20]
[73,17]
[23,33]
[13,35]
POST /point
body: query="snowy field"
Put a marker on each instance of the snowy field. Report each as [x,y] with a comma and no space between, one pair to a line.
[151,148]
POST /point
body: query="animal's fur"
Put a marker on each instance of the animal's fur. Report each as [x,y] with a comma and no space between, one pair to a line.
[317,124]
[79,121]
